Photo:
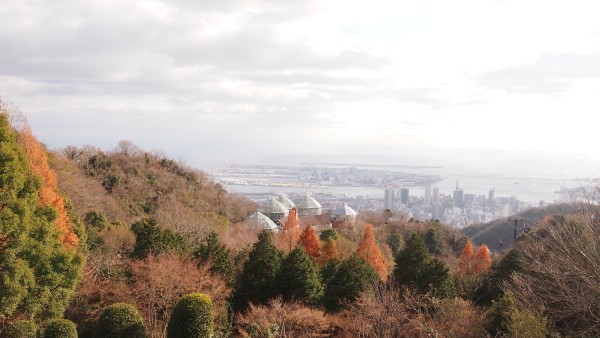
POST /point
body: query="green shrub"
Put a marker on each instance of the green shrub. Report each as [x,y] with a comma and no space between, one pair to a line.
[192,317]
[20,329]
[505,319]
[60,328]
[121,320]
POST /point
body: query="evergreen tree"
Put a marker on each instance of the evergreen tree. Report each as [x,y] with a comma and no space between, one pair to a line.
[39,262]
[192,317]
[325,234]
[432,241]
[121,320]
[151,239]
[310,242]
[395,241]
[299,278]
[415,269]
[500,272]
[256,281]
[213,251]
[368,249]
[352,276]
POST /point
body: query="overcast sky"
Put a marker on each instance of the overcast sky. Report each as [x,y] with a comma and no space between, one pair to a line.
[247,80]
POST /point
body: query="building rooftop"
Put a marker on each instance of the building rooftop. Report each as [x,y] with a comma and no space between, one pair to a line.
[260,220]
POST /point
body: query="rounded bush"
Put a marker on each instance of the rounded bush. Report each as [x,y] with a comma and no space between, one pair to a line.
[19,329]
[61,328]
[192,317]
[121,320]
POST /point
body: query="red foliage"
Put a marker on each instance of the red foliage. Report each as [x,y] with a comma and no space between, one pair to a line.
[310,242]
[368,249]
[483,259]
[48,194]
[291,231]
[466,259]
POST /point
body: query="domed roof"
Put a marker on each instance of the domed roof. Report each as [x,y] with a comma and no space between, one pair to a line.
[272,206]
[261,221]
[285,201]
[343,210]
[307,202]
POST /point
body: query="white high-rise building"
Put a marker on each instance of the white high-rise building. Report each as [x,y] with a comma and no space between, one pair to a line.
[427,193]
[388,199]
[435,198]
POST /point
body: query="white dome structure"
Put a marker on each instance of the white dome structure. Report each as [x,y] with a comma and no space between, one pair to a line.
[343,213]
[285,201]
[308,206]
[261,221]
[274,209]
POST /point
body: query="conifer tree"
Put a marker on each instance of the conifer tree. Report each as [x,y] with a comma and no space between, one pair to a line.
[310,242]
[213,251]
[415,269]
[299,278]
[38,271]
[291,230]
[483,260]
[352,276]
[368,249]
[256,281]
[329,251]
[466,259]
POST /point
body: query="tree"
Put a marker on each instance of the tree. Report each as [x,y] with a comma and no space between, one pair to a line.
[192,317]
[20,329]
[483,260]
[310,242]
[395,241]
[432,241]
[415,269]
[491,288]
[466,259]
[299,278]
[121,320]
[60,328]
[368,249]
[329,251]
[152,239]
[256,281]
[352,276]
[39,263]
[291,230]
[220,258]
[506,320]
[325,234]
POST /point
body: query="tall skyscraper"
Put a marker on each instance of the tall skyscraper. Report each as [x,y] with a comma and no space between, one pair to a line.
[404,195]
[388,199]
[435,198]
[427,193]
[492,198]
[459,200]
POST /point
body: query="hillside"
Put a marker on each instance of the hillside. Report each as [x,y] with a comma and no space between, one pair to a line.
[128,184]
[502,230]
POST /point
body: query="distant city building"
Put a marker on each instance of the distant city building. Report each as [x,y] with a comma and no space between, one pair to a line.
[458,197]
[435,198]
[437,212]
[308,206]
[492,198]
[404,195]
[388,199]
[427,193]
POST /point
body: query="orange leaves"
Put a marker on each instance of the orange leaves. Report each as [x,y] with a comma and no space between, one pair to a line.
[310,242]
[291,230]
[474,264]
[48,193]
[368,249]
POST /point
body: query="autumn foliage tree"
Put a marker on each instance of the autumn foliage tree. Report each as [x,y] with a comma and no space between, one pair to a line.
[483,260]
[466,259]
[48,193]
[310,242]
[368,249]
[291,230]
[329,251]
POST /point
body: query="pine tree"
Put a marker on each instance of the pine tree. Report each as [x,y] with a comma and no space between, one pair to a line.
[466,259]
[415,269]
[256,281]
[299,278]
[310,242]
[483,260]
[150,238]
[395,241]
[352,276]
[432,241]
[214,252]
[368,249]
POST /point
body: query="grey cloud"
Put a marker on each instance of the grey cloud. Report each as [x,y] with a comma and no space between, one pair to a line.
[551,73]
